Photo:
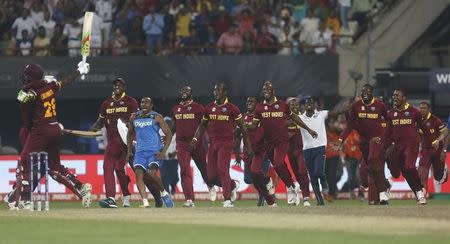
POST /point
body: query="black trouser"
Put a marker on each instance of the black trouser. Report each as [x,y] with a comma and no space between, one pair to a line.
[315,162]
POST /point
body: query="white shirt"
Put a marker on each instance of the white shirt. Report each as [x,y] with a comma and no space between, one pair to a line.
[72,32]
[38,17]
[25,48]
[24,24]
[308,26]
[324,39]
[316,123]
[49,27]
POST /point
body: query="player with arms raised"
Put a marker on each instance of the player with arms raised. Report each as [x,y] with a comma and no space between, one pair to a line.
[45,133]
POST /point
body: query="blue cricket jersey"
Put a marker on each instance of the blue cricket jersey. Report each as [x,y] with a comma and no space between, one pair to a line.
[147,132]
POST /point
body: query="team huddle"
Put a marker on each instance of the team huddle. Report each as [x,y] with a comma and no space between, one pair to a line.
[272,129]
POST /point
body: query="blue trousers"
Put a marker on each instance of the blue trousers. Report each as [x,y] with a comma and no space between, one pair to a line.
[315,162]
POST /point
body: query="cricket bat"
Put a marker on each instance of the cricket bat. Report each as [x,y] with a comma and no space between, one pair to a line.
[82,133]
[86,37]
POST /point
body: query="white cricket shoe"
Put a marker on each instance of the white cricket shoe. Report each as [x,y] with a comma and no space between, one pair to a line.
[444,176]
[24,205]
[270,187]
[126,201]
[274,205]
[306,202]
[85,191]
[212,193]
[384,198]
[188,204]
[228,204]
[234,191]
[291,195]
[421,200]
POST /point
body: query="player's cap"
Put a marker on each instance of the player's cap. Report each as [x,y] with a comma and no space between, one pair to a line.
[33,71]
[120,80]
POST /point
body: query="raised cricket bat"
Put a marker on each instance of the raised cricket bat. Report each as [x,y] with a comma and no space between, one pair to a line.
[83,133]
[86,37]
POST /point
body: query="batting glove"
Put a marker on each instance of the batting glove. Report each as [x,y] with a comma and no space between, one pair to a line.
[83,68]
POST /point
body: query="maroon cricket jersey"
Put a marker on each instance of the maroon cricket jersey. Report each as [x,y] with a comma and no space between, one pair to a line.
[273,119]
[368,119]
[221,121]
[403,125]
[43,108]
[112,109]
[430,128]
[187,119]
[255,135]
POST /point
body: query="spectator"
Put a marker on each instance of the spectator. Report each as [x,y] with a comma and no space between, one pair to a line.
[24,23]
[153,26]
[352,156]
[169,25]
[322,39]
[96,32]
[333,23]
[309,26]
[136,37]
[190,45]
[119,43]
[201,23]
[299,11]
[175,7]
[48,24]
[265,41]
[25,45]
[122,22]
[104,10]
[41,43]
[8,44]
[58,13]
[285,40]
[221,23]
[37,12]
[59,41]
[206,3]
[230,42]
[183,21]
[72,30]
[344,8]
[246,21]
[248,43]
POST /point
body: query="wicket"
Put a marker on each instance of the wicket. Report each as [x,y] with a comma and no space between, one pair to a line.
[40,158]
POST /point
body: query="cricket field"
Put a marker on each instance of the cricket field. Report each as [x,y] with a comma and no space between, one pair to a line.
[343,221]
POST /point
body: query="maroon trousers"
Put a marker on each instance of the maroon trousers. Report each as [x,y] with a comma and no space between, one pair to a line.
[260,180]
[373,155]
[277,152]
[298,165]
[115,161]
[184,155]
[403,160]
[218,168]
[46,138]
[431,156]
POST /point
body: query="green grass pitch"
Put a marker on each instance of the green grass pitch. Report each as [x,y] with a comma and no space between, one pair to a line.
[343,221]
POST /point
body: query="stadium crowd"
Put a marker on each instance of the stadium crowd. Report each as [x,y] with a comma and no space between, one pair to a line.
[163,27]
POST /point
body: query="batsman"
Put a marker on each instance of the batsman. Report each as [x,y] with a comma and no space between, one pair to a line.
[38,102]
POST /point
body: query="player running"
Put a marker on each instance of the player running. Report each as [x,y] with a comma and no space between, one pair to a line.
[433,152]
[295,154]
[188,115]
[368,117]
[272,115]
[45,134]
[220,118]
[262,183]
[403,140]
[118,106]
[144,126]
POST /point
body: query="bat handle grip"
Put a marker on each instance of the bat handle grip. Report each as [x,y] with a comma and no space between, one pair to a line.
[84,61]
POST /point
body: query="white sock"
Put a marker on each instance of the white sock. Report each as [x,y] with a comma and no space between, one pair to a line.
[164,193]
[145,202]
[112,198]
